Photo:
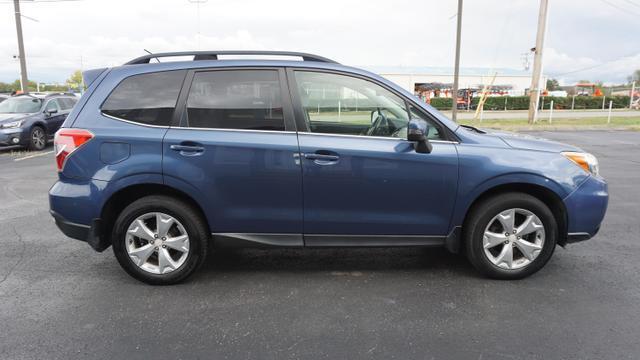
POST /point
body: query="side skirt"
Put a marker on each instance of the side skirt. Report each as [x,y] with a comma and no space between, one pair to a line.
[324,240]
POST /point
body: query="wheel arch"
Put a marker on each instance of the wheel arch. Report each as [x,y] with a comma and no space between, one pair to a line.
[125,196]
[549,197]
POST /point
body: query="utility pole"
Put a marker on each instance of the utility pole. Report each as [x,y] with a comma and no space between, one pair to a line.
[23,62]
[534,90]
[456,69]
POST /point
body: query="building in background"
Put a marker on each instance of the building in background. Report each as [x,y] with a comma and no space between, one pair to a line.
[429,82]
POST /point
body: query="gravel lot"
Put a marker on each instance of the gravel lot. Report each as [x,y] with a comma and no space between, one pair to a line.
[59,299]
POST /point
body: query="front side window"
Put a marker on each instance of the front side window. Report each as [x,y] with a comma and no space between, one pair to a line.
[146,98]
[52,105]
[236,99]
[340,104]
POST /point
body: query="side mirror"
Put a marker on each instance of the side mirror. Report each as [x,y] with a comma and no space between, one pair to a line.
[51,112]
[417,131]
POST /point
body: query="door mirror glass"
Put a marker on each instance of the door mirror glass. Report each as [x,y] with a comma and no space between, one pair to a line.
[417,131]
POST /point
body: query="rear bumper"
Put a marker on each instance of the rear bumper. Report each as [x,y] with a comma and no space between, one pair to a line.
[87,233]
[586,208]
[75,206]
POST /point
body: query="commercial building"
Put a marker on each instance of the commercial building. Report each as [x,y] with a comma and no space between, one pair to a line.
[429,82]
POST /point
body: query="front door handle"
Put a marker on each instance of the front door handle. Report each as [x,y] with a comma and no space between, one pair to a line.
[322,157]
[188,150]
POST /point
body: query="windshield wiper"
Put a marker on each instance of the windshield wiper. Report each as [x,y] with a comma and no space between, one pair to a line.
[472,128]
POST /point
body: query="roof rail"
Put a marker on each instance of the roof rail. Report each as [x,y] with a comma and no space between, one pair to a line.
[59,94]
[213,55]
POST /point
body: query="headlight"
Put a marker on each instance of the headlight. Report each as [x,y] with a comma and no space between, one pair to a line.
[586,161]
[11,125]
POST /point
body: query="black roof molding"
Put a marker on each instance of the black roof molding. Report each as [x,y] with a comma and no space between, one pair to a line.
[213,55]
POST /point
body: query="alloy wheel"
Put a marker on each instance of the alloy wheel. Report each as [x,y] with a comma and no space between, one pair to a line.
[513,239]
[38,138]
[157,243]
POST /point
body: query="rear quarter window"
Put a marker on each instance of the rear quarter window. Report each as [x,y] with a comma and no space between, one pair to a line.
[146,98]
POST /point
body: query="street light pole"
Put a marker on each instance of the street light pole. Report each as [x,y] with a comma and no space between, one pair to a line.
[534,89]
[23,62]
[456,70]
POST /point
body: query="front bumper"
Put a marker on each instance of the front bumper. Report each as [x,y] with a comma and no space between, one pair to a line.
[586,207]
[12,137]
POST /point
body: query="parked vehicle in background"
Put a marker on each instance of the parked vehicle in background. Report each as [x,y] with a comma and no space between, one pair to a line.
[31,120]
[163,160]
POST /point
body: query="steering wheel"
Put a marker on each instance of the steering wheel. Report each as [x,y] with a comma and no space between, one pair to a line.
[380,125]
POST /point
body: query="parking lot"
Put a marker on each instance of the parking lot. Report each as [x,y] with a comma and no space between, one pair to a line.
[60,299]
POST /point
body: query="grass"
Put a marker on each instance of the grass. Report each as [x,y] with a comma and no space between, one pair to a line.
[630,123]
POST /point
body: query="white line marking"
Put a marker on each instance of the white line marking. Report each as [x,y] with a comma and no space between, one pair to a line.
[34,155]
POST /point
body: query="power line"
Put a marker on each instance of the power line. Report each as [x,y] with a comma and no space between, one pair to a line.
[633,3]
[598,65]
[37,1]
[624,10]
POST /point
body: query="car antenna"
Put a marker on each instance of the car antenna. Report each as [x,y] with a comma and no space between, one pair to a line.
[150,53]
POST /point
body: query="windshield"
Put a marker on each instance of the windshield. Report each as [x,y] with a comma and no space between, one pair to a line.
[20,105]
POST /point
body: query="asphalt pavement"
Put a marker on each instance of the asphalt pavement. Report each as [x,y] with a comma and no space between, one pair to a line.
[61,300]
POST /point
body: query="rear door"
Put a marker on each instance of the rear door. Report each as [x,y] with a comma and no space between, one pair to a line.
[236,147]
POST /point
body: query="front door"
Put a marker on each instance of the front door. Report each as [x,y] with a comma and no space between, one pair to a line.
[54,117]
[360,174]
[236,147]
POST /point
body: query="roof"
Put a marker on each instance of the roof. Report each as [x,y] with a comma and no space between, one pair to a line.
[44,95]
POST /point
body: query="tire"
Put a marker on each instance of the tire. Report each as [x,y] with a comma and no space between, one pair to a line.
[186,219]
[489,215]
[37,139]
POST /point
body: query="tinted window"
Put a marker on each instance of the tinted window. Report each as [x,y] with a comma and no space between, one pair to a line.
[236,99]
[67,103]
[339,104]
[146,98]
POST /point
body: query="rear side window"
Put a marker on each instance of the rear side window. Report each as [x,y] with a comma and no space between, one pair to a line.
[236,99]
[66,103]
[146,98]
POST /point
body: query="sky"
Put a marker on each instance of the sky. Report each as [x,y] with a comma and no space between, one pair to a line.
[601,36]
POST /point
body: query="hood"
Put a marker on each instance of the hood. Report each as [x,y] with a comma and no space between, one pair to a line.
[529,142]
[7,118]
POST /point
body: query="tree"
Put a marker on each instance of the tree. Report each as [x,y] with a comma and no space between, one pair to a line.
[552,84]
[635,76]
[75,80]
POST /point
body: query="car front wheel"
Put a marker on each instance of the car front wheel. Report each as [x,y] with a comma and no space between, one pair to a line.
[37,138]
[510,236]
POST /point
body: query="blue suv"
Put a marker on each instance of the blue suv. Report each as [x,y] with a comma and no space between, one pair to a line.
[163,160]
[30,120]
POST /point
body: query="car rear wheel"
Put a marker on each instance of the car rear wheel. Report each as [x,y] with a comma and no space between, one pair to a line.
[160,240]
[37,138]
[510,236]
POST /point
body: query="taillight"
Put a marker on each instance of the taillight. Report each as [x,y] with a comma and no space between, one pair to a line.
[67,141]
